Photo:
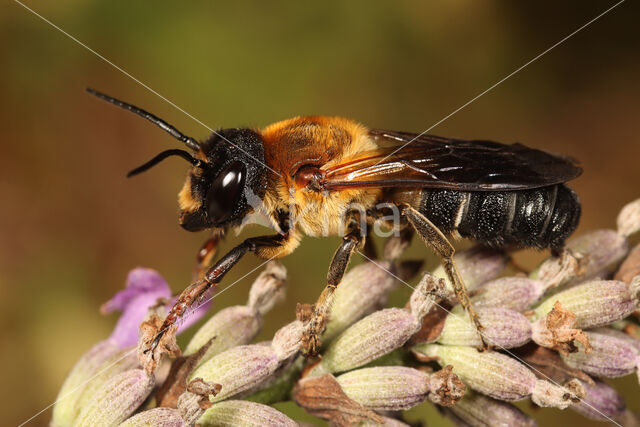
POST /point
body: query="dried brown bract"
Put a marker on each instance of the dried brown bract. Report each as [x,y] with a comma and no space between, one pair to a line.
[323,396]
[167,345]
[557,331]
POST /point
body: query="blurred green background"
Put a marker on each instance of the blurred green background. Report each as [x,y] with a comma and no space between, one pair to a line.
[71,225]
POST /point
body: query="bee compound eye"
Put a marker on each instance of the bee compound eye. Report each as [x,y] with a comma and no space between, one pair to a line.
[225,191]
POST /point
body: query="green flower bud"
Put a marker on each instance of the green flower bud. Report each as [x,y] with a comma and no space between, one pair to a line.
[632,340]
[117,399]
[604,249]
[476,265]
[601,402]
[93,369]
[238,369]
[386,388]
[362,290]
[515,293]
[594,304]
[380,332]
[115,365]
[246,367]
[611,356]
[497,375]
[165,417]
[233,413]
[397,388]
[629,219]
[501,327]
[386,422]
[239,325]
[478,410]
[589,256]
[64,411]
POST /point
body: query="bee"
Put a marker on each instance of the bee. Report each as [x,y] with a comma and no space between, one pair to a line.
[306,174]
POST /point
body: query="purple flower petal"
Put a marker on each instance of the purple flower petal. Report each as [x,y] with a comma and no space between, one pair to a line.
[125,333]
[139,281]
[144,287]
[143,290]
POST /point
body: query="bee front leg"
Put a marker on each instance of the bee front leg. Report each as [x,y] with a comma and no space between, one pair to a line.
[439,243]
[211,278]
[353,240]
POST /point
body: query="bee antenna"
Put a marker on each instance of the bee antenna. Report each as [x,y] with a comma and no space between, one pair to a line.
[163,155]
[188,141]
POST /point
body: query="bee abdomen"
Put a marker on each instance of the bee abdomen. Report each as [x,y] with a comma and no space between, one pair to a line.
[539,218]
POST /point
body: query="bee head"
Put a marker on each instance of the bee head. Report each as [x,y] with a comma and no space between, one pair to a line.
[227,182]
[228,177]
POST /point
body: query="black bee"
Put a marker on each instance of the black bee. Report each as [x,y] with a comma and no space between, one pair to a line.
[308,173]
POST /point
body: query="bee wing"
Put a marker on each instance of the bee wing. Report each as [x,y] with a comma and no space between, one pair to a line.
[435,162]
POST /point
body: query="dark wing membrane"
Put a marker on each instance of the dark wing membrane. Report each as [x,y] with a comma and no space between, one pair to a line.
[435,162]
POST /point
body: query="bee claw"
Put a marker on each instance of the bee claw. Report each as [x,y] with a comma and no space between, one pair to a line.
[311,348]
[154,344]
[484,346]
[156,341]
[311,341]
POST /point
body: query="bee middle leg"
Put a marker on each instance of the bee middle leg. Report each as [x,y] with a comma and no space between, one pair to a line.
[434,238]
[353,240]
[205,257]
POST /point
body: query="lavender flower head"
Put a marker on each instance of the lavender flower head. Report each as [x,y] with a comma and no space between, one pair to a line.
[145,290]
[555,335]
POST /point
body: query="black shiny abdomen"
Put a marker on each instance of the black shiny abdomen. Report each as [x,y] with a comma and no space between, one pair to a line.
[537,218]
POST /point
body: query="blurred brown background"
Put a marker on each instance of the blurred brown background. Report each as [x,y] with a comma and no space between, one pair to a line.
[71,225]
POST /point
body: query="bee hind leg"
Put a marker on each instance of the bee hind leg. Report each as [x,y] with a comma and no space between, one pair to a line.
[317,322]
[434,238]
